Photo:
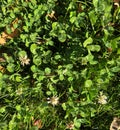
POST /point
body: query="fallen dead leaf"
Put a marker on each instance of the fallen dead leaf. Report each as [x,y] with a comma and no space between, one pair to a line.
[80,8]
[5,35]
[115,125]
[116,3]
[2,60]
[2,69]
[2,41]
[15,32]
[38,123]
[52,15]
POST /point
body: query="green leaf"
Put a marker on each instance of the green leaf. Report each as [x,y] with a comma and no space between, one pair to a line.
[36,11]
[33,36]
[9,1]
[2,109]
[40,78]
[51,88]
[84,73]
[15,25]
[93,62]
[3,9]
[12,123]
[47,70]
[48,93]
[18,107]
[73,19]
[84,60]
[22,53]
[10,67]
[70,79]
[90,57]
[87,41]
[94,48]
[88,83]
[49,42]
[95,3]
[111,62]
[92,93]
[34,68]
[16,10]
[72,14]
[118,51]
[93,111]
[26,29]
[93,17]
[83,114]
[33,2]
[12,15]
[37,60]
[62,36]
[64,106]
[8,29]
[115,69]
[9,59]
[106,34]
[18,78]
[61,77]
[71,89]
[57,57]
[23,37]
[55,26]
[69,66]
[77,123]
[33,48]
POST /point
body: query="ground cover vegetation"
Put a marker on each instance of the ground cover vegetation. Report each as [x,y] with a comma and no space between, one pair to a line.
[59,64]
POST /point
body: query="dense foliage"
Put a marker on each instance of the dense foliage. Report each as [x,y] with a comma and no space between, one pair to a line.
[59,64]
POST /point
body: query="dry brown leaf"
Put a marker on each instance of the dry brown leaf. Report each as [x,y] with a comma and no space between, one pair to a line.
[5,35]
[80,8]
[15,32]
[52,15]
[2,69]
[2,60]
[116,3]
[38,123]
[2,41]
[115,125]
[15,21]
